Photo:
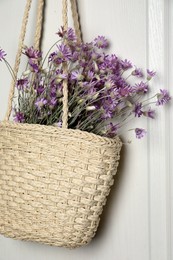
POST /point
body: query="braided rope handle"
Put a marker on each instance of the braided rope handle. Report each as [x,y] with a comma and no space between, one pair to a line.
[38,31]
[65,83]
[20,47]
[75,16]
[37,39]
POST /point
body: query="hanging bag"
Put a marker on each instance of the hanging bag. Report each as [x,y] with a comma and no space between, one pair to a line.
[53,181]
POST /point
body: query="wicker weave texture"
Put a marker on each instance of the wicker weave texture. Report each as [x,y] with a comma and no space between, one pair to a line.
[54,182]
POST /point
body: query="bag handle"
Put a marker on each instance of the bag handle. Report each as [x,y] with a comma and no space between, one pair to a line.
[37,39]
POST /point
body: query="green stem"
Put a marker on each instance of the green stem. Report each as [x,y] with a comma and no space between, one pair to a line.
[10,69]
[49,52]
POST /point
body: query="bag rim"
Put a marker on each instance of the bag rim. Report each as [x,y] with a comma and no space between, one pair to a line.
[52,130]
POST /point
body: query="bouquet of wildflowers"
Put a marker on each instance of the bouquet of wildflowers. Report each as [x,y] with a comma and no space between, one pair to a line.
[101,98]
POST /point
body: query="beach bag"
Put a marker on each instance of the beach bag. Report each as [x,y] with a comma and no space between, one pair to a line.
[54,181]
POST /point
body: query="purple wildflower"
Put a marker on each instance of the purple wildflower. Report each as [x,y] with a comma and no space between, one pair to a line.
[22,83]
[140,132]
[101,42]
[61,75]
[109,106]
[149,113]
[96,83]
[58,124]
[71,36]
[40,102]
[163,97]
[2,54]
[31,53]
[61,32]
[40,89]
[95,55]
[77,75]
[52,56]
[137,72]
[75,56]
[112,129]
[52,102]
[150,74]
[34,65]
[90,75]
[141,88]
[109,84]
[125,64]
[107,113]
[137,110]
[64,52]
[125,91]
[19,117]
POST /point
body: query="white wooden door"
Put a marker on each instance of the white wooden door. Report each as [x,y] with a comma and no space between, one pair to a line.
[137,220]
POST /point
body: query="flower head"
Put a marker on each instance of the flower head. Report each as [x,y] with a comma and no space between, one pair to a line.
[2,54]
[137,110]
[22,83]
[149,113]
[163,97]
[137,72]
[32,53]
[40,89]
[112,129]
[77,75]
[125,64]
[71,36]
[125,91]
[140,132]
[34,65]
[64,52]
[101,42]
[58,124]
[141,88]
[61,32]
[52,102]
[19,117]
[150,74]
[40,102]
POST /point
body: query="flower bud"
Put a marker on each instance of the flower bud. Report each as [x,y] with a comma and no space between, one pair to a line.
[58,80]
[95,96]
[44,71]
[80,101]
[27,72]
[95,67]
[90,127]
[108,85]
[103,132]
[129,104]
[90,108]
[59,93]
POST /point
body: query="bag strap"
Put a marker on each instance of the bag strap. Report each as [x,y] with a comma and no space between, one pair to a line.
[75,16]
[37,39]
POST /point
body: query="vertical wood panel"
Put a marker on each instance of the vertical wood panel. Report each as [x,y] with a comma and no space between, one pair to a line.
[159,173]
[170,117]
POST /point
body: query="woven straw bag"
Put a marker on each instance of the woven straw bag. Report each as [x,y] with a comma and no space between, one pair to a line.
[53,181]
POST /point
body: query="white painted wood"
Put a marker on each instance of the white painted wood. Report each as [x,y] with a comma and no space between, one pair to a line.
[159,139]
[170,125]
[136,223]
